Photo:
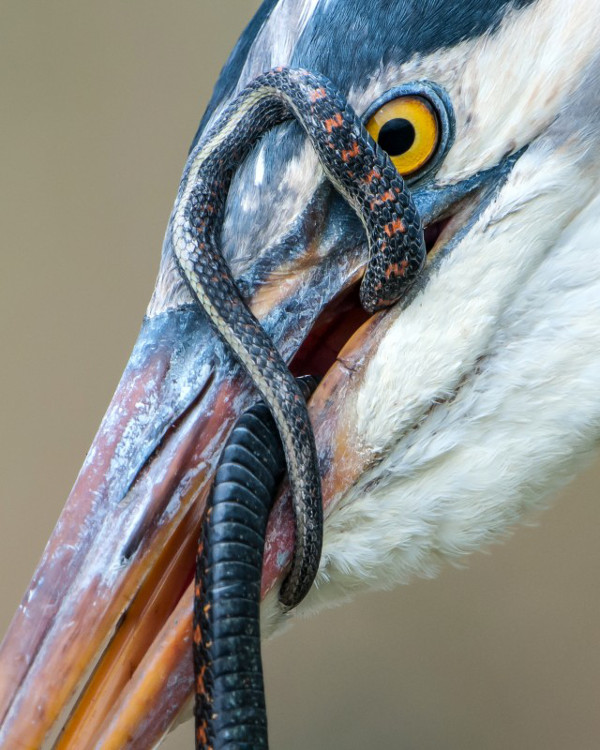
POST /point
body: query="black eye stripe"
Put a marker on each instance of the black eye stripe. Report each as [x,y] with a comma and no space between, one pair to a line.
[397,136]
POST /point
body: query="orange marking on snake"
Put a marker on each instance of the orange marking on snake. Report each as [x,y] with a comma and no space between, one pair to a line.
[334,122]
[396,269]
[318,94]
[351,153]
[197,635]
[200,679]
[389,195]
[374,174]
[396,226]
[201,735]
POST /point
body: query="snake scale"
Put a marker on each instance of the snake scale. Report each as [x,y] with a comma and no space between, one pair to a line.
[230,698]
[368,181]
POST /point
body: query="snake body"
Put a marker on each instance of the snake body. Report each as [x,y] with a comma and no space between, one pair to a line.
[230,709]
[230,700]
[367,179]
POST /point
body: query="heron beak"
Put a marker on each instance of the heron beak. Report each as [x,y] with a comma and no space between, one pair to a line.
[99,651]
[112,592]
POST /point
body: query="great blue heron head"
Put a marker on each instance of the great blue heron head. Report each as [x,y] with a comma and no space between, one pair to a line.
[439,422]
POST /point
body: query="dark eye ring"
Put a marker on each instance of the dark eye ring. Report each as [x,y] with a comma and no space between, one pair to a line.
[414,123]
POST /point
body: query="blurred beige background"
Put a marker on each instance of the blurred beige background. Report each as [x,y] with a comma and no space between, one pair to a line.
[98,103]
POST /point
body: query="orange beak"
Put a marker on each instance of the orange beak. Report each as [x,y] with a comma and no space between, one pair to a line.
[99,652]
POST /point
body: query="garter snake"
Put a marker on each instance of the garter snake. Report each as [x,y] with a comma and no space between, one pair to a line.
[366,178]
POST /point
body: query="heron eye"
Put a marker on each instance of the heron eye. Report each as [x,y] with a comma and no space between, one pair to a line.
[408,129]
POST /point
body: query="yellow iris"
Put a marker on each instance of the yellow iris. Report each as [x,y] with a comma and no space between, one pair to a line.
[407,128]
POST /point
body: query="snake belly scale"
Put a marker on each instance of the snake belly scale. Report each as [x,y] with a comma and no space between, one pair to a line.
[230,708]
[367,179]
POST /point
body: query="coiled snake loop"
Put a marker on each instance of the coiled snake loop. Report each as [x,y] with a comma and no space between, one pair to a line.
[366,178]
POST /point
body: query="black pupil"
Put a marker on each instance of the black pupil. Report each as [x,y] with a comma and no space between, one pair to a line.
[397,136]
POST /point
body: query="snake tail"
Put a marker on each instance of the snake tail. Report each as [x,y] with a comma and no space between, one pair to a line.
[230,706]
